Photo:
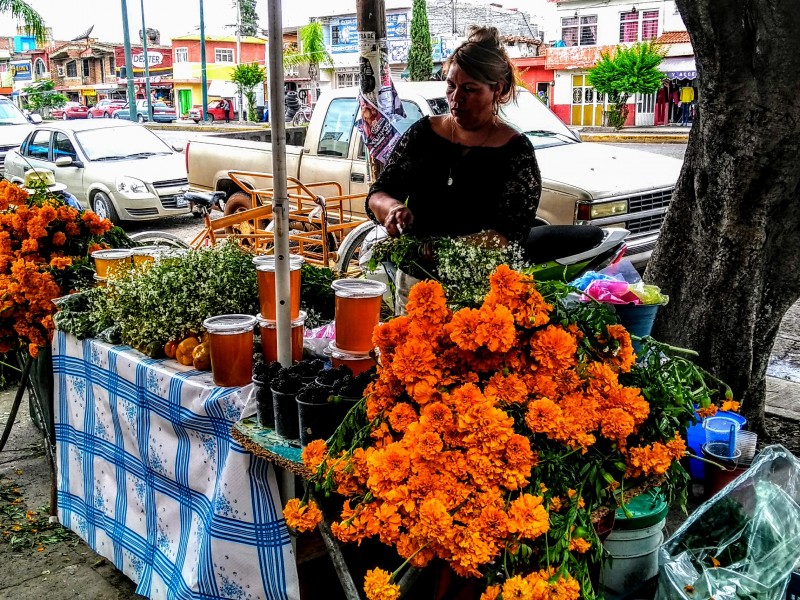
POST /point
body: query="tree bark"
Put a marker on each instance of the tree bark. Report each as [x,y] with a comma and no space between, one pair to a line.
[729,252]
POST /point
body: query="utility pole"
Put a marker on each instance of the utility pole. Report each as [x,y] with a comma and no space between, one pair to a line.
[239,52]
[146,69]
[128,62]
[373,52]
[203,82]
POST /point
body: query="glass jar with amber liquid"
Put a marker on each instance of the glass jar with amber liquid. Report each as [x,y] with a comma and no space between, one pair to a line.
[230,340]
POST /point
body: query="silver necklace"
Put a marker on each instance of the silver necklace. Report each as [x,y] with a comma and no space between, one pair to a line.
[452,141]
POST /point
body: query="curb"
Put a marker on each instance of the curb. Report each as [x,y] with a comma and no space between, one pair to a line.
[635,138]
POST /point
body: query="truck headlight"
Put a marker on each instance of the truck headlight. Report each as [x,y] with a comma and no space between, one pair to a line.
[588,212]
[132,187]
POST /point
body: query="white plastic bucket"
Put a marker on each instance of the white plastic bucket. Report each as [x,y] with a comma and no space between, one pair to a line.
[634,557]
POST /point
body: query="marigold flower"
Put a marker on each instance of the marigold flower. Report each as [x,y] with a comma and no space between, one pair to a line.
[495,329]
[401,416]
[302,517]
[527,517]
[554,348]
[579,545]
[463,328]
[491,593]
[708,411]
[378,585]
[517,588]
[314,454]
[730,406]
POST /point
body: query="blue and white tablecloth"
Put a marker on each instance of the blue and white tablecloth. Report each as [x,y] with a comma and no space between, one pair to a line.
[150,478]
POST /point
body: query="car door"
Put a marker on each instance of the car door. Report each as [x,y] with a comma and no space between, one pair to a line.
[71,176]
[36,153]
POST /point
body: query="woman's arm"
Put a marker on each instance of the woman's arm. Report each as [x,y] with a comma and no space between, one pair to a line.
[522,188]
[390,212]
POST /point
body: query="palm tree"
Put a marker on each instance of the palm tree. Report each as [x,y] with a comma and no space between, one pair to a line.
[312,53]
[19,9]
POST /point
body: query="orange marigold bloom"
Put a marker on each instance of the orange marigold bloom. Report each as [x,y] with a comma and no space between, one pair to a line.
[527,517]
[543,415]
[616,426]
[554,348]
[491,593]
[506,389]
[314,454]
[401,416]
[302,517]
[730,406]
[579,545]
[708,411]
[496,329]
[427,303]
[60,262]
[517,588]
[463,328]
[59,239]
[655,458]
[437,417]
[390,334]
[623,356]
[555,504]
[378,585]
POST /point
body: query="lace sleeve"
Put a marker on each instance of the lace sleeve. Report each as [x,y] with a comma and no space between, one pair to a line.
[395,177]
[523,188]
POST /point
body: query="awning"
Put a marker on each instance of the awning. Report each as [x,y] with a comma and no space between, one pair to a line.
[679,67]
[223,89]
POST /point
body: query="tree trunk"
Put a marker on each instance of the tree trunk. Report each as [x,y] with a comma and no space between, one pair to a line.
[729,252]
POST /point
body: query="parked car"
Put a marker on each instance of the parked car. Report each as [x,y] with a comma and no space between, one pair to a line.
[121,170]
[14,127]
[215,112]
[105,108]
[161,112]
[71,110]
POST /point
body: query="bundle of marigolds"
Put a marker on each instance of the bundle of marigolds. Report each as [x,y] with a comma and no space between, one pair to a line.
[44,247]
[492,434]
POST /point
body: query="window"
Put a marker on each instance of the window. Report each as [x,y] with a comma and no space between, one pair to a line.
[629,26]
[223,55]
[63,147]
[72,69]
[579,31]
[39,146]
[337,128]
[86,67]
[112,65]
[346,79]
[181,55]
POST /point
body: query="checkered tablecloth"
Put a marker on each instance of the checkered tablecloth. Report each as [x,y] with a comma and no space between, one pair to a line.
[150,477]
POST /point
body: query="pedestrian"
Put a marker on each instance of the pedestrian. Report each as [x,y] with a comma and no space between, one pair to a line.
[226,109]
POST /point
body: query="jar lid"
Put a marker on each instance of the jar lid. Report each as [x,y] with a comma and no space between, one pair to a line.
[645,510]
[333,351]
[112,254]
[270,324]
[358,288]
[229,324]
[267,263]
[151,250]
[96,278]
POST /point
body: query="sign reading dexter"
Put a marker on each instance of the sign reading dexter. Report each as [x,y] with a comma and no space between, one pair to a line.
[153,58]
[21,70]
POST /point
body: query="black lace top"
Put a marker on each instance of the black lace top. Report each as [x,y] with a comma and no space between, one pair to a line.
[491,188]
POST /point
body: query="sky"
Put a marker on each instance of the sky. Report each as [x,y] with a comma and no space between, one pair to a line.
[178,17]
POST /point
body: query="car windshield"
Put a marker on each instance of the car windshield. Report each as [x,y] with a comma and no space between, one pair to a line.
[10,114]
[532,118]
[115,143]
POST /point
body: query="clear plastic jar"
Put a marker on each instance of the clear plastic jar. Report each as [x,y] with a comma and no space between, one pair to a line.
[144,254]
[269,337]
[265,265]
[108,261]
[230,340]
[356,362]
[358,310]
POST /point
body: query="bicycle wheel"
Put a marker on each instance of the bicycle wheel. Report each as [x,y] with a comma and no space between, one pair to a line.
[351,244]
[158,238]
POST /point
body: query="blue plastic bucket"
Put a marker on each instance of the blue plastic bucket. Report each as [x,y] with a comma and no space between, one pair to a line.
[696,437]
[638,319]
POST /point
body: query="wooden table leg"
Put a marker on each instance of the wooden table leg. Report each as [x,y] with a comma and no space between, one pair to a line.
[350,591]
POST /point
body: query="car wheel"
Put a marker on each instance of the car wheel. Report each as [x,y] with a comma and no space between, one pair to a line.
[116,116]
[210,118]
[106,116]
[140,118]
[64,117]
[103,208]
[89,116]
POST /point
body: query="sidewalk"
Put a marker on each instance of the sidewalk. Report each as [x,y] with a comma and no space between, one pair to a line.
[668,134]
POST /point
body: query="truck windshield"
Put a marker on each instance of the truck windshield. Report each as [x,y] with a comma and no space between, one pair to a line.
[535,120]
[10,114]
[115,143]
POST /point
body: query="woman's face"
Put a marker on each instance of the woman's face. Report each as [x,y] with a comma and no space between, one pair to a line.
[470,100]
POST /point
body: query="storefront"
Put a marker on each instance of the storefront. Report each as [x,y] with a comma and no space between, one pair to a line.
[676,101]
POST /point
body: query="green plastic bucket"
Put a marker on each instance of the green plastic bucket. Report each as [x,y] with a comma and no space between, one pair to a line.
[638,319]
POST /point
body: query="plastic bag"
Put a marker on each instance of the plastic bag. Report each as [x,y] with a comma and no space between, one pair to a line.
[619,283]
[744,542]
[316,341]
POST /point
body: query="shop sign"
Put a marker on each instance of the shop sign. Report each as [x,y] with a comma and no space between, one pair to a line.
[90,93]
[21,70]
[154,58]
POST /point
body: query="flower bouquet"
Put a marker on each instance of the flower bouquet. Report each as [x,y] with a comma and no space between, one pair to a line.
[495,436]
[44,253]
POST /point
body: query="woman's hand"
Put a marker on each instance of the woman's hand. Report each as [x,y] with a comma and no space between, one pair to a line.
[398,219]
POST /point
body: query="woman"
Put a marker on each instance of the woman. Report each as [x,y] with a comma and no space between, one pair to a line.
[469,171]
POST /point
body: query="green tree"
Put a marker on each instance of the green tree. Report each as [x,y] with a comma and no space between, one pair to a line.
[420,54]
[312,52]
[626,71]
[248,18]
[42,96]
[34,23]
[729,249]
[246,78]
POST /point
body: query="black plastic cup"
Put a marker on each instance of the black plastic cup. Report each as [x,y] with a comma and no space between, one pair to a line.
[317,421]
[285,411]
[265,410]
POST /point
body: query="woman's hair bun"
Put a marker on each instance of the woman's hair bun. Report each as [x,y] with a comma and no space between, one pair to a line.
[488,37]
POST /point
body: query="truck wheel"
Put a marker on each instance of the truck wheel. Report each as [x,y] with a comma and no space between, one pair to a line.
[103,208]
[240,202]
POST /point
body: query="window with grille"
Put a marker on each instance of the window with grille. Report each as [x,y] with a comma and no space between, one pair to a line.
[346,79]
[86,67]
[335,35]
[112,64]
[631,23]
[181,55]
[72,69]
[222,55]
[579,31]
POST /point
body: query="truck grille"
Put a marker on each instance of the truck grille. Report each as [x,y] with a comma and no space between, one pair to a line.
[645,224]
[3,150]
[650,201]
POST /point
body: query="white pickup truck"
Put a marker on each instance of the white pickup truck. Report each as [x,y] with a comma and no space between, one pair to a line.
[582,183]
